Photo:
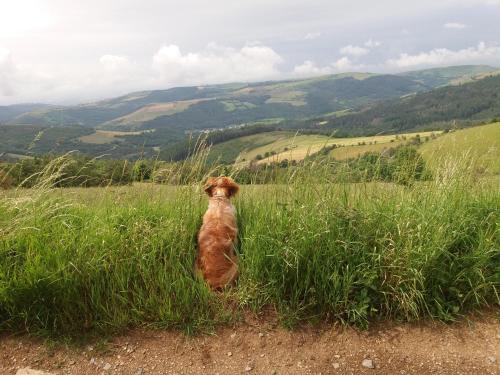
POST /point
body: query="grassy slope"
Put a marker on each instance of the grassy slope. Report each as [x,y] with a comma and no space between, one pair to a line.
[480,143]
[228,151]
[73,261]
[299,146]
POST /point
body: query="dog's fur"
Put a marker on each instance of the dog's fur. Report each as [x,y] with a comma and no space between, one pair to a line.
[217,261]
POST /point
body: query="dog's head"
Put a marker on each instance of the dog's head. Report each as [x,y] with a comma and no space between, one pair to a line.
[221,187]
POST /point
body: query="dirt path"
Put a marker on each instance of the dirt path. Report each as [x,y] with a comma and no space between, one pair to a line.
[469,347]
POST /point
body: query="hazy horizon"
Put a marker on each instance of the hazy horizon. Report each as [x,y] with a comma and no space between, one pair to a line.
[52,51]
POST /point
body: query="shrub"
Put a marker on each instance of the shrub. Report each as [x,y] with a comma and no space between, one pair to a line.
[6,182]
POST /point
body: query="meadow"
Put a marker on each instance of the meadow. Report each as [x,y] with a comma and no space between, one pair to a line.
[311,249]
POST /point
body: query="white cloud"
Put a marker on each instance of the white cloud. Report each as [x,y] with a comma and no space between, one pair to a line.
[309,68]
[23,16]
[313,35]
[7,70]
[344,64]
[444,56]
[112,75]
[215,64]
[56,51]
[113,62]
[370,43]
[454,25]
[354,50]
[17,80]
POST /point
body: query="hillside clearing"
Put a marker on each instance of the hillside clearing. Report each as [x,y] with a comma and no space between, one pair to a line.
[347,152]
[100,137]
[150,112]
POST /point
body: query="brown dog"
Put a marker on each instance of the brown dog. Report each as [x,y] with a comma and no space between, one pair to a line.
[216,259]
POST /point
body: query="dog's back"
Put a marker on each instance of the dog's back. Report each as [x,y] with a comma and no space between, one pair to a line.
[217,261]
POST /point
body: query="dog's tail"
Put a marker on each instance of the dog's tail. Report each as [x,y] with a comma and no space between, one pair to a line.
[231,275]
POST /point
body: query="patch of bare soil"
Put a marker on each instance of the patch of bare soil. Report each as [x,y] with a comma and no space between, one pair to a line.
[471,346]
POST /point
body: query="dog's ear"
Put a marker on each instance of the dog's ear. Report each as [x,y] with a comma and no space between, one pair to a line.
[209,185]
[232,187]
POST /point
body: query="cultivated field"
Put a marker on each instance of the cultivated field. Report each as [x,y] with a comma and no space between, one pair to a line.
[482,143]
[310,249]
[105,136]
[151,112]
[293,146]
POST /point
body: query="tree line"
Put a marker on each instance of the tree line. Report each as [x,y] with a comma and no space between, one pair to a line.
[402,164]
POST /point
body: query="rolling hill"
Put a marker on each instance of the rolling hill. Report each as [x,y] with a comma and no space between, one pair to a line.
[220,106]
[480,142]
[10,112]
[459,104]
[437,77]
[142,123]
[237,103]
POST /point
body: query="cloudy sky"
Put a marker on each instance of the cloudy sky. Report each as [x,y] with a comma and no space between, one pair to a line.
[59,51]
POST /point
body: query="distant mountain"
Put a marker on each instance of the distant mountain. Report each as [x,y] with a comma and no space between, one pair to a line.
[10,112]
[437,77]
[142,123]
[219,106]
[464,103]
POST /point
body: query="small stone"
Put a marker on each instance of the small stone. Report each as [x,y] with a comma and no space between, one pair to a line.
[92,361]
[261,334]
[274,372]
[337,356]
[368,363]
[248,368]
[229,354]
[107,367]
[492,359]
[139,371]
[233,336]
[262,355]
[29,371]
[336,365]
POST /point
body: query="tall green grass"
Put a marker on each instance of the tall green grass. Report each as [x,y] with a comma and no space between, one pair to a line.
[102,260]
